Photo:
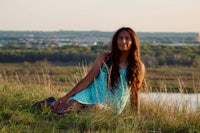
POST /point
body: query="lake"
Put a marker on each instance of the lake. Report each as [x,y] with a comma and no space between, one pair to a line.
[191,102]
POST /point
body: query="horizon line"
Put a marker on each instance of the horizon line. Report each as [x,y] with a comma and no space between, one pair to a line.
[94,31]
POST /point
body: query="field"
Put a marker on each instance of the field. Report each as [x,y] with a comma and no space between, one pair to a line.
[21,85]
[174,79]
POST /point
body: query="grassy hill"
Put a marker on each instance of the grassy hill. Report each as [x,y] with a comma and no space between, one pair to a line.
[21,85]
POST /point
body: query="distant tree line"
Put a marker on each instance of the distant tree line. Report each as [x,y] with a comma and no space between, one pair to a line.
[68,53]
[152,55]
[159,55]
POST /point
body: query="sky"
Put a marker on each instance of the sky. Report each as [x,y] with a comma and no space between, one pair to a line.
[102,15]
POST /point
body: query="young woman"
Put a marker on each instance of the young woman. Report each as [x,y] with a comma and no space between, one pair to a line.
[114,77]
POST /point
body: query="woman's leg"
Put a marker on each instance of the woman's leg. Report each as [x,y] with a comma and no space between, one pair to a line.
[68,107]
[96,106]
[74,105]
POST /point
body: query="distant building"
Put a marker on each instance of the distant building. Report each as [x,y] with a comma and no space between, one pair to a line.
[198,38]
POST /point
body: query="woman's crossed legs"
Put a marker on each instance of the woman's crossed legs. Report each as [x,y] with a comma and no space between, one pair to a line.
[73,105]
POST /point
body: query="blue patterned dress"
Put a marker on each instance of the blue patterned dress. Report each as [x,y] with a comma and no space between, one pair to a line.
[98,93]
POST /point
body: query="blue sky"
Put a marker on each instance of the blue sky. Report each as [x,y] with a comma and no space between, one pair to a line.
[104,15]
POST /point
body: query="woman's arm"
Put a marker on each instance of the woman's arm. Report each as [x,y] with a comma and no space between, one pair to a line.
[94,71]
[134,96]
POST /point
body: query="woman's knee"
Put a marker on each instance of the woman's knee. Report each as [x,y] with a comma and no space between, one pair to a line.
[73,103]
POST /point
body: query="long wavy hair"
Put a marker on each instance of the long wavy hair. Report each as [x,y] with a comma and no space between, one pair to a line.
[133,68]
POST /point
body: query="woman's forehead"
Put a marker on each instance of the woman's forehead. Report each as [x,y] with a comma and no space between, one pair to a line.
[124,33]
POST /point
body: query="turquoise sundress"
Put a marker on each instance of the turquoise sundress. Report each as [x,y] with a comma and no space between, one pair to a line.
[98,93]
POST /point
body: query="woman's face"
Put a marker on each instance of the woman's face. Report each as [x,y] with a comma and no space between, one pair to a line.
[124,41]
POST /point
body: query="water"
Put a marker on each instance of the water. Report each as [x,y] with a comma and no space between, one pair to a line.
[190,102]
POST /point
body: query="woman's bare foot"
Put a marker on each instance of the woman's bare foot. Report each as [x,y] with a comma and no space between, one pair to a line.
[96,106]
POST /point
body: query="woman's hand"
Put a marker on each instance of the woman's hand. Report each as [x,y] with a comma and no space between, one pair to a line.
[59,101]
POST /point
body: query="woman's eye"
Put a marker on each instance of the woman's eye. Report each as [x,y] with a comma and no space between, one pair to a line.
[120,38]
[127,38]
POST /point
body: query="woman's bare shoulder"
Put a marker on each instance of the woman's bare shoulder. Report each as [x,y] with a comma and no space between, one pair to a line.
[142,66]
[102,57]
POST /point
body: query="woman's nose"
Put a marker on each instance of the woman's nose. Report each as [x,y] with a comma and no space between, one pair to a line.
[124,40]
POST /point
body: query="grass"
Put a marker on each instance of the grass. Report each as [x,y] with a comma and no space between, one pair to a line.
[174,77]
[19,91]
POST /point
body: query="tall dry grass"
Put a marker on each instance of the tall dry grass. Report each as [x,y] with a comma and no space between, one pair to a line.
[17,96]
